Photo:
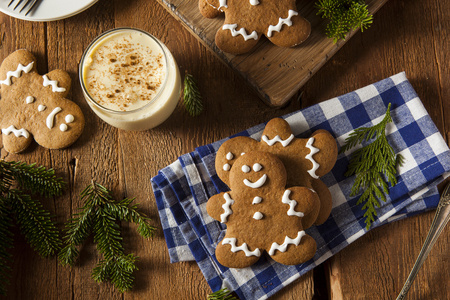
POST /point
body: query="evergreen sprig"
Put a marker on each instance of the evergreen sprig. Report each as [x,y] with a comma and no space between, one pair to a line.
[19,182]
[344,16]
[372,164]
[192,97]
[223,294]
[99,216]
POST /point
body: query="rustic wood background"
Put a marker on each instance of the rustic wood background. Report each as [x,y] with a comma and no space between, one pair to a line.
[407,35]
[275,73]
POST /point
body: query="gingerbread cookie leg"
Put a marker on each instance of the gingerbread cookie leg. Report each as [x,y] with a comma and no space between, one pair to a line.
[233,253]
[295,30]
[294,249]
[15,140]
[236,40]
[325,200]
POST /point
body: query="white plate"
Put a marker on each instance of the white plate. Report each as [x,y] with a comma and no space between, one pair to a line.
[47,10]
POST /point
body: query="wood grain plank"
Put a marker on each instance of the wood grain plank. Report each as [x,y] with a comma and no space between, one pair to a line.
[376,266]
[275,73]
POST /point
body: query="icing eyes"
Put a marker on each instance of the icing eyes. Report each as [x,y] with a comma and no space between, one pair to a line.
[69,118]
[245,169]
[257,167]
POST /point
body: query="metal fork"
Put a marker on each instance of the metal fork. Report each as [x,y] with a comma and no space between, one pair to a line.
[440,220]
[30,3]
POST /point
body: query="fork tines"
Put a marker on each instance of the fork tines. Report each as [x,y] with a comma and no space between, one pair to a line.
[29,3]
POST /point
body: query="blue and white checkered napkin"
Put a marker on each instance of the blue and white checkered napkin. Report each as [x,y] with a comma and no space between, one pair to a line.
[183,188]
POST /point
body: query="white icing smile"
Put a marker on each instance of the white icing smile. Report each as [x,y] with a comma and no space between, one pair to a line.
[257,184]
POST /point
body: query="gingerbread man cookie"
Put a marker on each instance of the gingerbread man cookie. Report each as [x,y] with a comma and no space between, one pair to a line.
[261,215]
[34,106]
[305,159]
[247,20]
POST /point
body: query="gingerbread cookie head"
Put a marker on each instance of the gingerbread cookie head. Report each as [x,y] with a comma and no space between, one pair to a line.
[305,160]
[261,215]
[247,20]
[34,106]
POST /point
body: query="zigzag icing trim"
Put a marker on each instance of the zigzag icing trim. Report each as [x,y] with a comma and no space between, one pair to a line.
[53,83]
[292,204]
[281,22]
[277,138]
[287,241]
[242,31]
[226,207]
[243,247]
[17,132]
[314,150]
[17,73]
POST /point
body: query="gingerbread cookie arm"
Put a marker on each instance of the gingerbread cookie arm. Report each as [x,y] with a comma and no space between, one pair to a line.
[302,202]
[323,153]
[58,81]
[219,207]
[207,10]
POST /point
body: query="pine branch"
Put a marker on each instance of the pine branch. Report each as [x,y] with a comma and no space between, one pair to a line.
[35,223]
[37,179]
[223,294]
[78,230]
[124,211]
[16,180]
[192,97]
[100,215]
[370,163]
[343,16]
[119,270]
[107,234]
[6,243]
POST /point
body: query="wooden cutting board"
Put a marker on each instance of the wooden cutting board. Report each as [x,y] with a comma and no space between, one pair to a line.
[275,73]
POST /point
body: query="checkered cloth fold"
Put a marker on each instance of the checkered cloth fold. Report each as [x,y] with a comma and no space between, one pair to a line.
[183,188]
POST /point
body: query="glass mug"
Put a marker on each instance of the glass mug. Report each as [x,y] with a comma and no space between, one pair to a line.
[130,79]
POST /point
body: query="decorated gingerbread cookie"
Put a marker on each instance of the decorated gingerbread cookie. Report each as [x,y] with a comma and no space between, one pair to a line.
[34,106]
[207,10]
[262,215]
[305,159]
[247,20]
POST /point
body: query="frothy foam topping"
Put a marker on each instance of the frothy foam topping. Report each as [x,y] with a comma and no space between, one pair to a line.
[125,71]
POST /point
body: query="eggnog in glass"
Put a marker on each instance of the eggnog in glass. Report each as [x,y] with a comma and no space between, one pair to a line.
[130,79]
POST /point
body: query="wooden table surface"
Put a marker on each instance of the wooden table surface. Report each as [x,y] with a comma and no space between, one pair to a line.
[410,36]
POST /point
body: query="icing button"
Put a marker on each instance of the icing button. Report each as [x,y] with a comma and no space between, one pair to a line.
[258,216]
[226,167]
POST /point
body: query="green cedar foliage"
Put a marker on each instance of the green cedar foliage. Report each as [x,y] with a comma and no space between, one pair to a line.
[192,97]
[344,16]
[223,294]
[372,164]
[99,216]
[19,182]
